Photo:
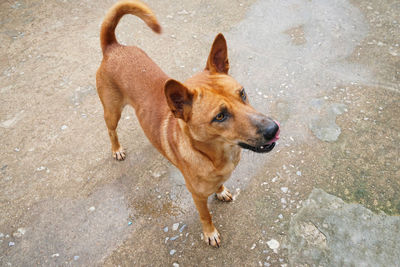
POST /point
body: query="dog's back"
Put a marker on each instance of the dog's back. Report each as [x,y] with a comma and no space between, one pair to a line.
[127,75]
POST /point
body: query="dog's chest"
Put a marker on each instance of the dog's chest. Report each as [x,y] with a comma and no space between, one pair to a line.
[228,161]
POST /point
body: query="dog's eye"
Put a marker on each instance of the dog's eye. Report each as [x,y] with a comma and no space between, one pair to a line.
[243,94]
[220,117]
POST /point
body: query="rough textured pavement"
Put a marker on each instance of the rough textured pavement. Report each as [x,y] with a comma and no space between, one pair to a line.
[328,70]
[328,232]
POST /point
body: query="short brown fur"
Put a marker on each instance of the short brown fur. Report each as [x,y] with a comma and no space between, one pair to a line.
[179,119]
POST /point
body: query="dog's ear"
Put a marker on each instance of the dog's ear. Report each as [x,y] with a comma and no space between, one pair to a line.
[218,58]
[179,99]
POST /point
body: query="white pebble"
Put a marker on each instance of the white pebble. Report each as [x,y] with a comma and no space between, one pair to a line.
[92,208]
[172,252]
[273,244]
[64,127]
[175,226]
[166,229]
[298,173]
[253,246]
[175,264]
[284,189]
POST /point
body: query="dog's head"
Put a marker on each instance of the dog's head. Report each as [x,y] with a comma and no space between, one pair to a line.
[215,106]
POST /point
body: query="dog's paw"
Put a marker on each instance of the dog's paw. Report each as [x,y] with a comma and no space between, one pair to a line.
[212,238]
[225,195]
[119,154]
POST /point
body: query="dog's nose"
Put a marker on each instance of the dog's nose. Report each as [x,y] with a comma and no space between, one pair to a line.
[270,131]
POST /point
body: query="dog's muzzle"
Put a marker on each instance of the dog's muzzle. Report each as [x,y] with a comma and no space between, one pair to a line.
[270,133]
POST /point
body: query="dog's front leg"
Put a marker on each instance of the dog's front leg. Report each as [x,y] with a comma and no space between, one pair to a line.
[211,235]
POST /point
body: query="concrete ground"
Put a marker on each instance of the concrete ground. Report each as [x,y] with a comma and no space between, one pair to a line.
[329,71]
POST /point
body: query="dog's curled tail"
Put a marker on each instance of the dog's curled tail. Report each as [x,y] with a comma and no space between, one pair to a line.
[107,32]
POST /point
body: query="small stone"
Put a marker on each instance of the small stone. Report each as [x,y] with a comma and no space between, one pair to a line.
[175,226]
[183,12]
[16,234]
[273,244]
[280,216]
[172,252]
[11,244]
[1,235]
[156,174]
[129,223]
[55,255]
[284,189]
[165,229]
[76,258]
[64,127]
[182,228]
[298,173]
[41,168]
[175,264]
[253,246]
[92,208]
[174,238]
[283,201]
[16,149]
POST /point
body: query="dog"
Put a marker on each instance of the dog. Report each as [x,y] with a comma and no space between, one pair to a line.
[200,125]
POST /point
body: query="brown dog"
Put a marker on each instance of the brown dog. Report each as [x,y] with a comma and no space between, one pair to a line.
[200,125]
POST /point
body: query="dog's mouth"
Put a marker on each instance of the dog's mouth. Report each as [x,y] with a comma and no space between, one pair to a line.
[258,149]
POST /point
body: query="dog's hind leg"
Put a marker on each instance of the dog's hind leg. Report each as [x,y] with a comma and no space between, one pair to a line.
[112,116]
[113,105]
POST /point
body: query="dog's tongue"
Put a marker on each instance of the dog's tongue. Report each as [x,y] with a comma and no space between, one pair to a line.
[277,134]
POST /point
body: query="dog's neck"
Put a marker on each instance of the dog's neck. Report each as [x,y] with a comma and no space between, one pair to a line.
[219,153]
